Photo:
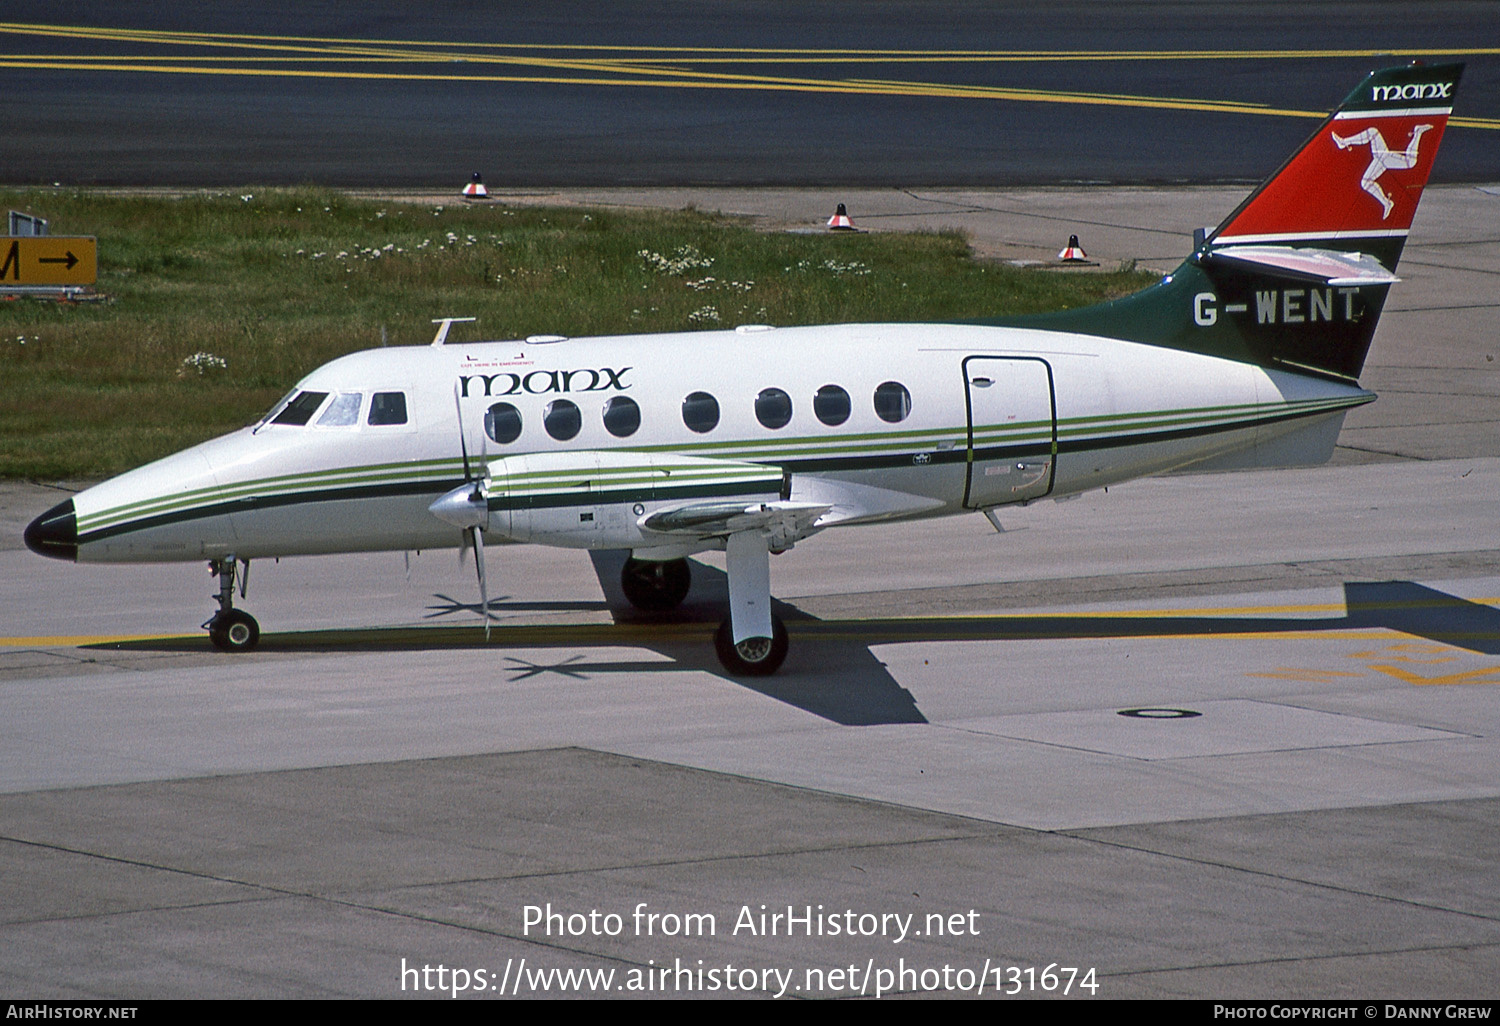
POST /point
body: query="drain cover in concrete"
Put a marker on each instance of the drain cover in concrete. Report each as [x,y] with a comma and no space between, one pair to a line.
[1234,727]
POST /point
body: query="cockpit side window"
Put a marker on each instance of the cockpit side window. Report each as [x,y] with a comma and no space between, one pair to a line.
[300,410]
[388,408]
[343,411]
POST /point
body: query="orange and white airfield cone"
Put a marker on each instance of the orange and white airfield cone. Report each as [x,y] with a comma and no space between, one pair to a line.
[1073,252]
[475,190]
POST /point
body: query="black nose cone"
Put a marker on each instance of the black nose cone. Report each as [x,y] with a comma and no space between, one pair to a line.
[55,533]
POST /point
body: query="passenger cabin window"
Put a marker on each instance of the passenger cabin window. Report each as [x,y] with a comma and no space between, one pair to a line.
[831,404]
[700,412]
[343,411]
[562,419]
[892,402]
[773,408]
[388,408]
[502,422]
[622,416]
[300,410]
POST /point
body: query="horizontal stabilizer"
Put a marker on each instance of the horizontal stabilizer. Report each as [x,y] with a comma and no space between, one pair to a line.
[1324,266]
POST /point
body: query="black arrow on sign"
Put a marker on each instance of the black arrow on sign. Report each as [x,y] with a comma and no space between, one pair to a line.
[70,260]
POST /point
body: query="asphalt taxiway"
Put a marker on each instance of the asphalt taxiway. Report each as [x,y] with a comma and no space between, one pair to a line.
[1217,736]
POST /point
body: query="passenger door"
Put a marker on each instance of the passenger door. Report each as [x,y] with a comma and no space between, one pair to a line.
[1012,429]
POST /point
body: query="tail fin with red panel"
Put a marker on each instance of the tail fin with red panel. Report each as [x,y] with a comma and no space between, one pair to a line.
[1355,184]
[1298,274]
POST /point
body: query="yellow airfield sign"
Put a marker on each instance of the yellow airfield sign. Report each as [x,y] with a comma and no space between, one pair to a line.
[48,260]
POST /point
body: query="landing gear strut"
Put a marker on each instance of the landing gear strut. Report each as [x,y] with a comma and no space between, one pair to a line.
[653,586]
[230,629]
[752,642]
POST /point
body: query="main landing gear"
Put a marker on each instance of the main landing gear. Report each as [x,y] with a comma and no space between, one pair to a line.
[655,587]
[752,642]
[230,629]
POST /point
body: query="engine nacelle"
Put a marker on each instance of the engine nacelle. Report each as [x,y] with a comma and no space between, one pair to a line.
[600,499]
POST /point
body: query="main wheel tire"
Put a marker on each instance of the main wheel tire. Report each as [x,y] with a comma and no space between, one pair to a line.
[656,587]
[234,631]
[753,657]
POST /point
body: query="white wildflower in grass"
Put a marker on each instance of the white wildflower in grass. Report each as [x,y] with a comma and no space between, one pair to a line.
[710,283]
[685,259]
[202,363]
[849,267]
[704,315]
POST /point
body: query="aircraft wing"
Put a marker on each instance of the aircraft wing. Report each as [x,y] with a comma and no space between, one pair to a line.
[783,521]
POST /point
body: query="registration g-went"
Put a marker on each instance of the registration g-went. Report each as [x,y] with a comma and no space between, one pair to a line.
[756,439]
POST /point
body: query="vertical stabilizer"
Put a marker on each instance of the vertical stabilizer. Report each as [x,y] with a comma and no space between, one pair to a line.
[1298,274]
[1356,183]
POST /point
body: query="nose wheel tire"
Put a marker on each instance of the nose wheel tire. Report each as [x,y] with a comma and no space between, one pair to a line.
[753,657]
[233,631]
[653,586]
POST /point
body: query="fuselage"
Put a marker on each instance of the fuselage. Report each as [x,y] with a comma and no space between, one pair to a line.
[909,419]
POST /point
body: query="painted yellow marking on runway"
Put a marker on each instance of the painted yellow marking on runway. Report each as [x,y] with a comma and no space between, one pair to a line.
[228,38]
[1489,676]
[1379,660]
[661,67]
[1307,608]
[1290,673]
[82,640]
[1025,626]
[1435,654]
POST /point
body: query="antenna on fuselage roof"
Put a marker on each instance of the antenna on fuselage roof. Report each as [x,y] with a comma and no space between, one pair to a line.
[444,323]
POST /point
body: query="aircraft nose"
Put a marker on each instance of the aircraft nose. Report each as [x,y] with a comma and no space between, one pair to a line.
[54,533]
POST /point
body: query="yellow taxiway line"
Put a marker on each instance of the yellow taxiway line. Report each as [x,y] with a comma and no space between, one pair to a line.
[661,67]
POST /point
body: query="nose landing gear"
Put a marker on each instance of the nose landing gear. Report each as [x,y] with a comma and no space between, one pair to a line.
[230,629]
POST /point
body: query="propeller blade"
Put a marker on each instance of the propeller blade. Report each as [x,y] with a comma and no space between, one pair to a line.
[481,484]
[474,535]
[484,593]
[463,444]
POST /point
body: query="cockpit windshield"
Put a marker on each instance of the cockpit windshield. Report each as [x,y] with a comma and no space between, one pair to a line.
[298,409]
[273,411]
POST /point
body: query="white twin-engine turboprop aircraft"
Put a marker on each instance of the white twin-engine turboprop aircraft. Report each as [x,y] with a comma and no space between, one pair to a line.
[754,439]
